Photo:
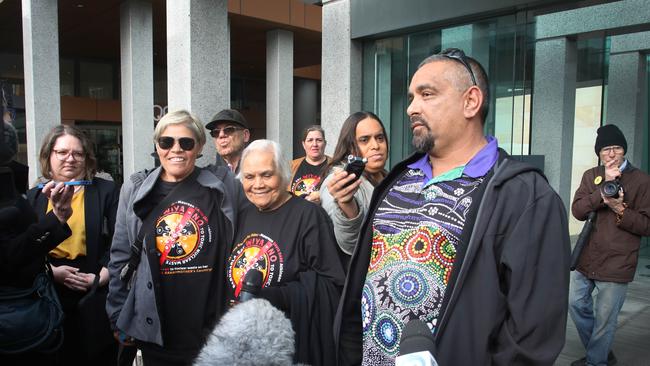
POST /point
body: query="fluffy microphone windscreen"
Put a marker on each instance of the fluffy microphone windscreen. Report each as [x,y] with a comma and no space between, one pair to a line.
[251,333]
[416,337]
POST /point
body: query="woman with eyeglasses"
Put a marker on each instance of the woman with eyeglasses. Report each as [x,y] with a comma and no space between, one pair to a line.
[307,172]
[80,262]
[174,229]
[346,197]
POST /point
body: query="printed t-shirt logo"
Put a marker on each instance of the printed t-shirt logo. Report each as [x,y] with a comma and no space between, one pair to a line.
[181,232]
[246,255]
[305,185]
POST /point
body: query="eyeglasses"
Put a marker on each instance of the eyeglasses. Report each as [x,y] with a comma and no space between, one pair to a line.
[459,55]
[167,142]
[226,131]
[63,155]
[609,149]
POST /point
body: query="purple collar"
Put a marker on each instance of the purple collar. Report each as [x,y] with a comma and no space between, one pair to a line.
[477,167]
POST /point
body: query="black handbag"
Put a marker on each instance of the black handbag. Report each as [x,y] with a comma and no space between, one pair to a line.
[31,319]
[92,310]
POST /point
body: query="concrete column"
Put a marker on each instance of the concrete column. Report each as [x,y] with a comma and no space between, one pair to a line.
[554,110]
[341,69]
[279,89]
[136,54]
[198,61]
[627,100]
[42,86]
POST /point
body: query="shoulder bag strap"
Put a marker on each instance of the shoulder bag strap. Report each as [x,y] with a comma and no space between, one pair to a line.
[136,246]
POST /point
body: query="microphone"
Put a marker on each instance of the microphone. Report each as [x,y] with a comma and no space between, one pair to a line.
[250,333]
[251,286]
[416,346]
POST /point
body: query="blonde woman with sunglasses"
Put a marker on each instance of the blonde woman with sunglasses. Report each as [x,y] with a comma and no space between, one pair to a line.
[183,219]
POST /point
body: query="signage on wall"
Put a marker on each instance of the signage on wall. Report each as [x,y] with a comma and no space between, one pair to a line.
[159,112]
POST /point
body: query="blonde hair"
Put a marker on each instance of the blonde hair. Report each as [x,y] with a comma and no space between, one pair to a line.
[181,117]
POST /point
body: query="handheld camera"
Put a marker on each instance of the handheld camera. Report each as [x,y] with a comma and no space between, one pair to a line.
[355,165]
[611,188]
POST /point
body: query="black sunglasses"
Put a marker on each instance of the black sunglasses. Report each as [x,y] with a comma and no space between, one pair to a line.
[167,142]
[226,131]
[459,55]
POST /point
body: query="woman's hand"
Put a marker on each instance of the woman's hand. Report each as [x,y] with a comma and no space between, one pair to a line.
[313,197]
[64,274]
[80,281]
[343,192]
[72,278]
[61,197]
[103,277]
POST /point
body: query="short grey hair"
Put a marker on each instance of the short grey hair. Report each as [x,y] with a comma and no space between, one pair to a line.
[281,164]
[181,117]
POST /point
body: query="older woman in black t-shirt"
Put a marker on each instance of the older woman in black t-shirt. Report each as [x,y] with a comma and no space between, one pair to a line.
[290,240]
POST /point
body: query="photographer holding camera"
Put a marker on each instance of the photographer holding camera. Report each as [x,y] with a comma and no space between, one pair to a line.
[24,243]
[619,193]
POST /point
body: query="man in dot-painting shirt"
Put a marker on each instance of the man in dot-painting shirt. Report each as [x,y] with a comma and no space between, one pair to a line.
[460,237]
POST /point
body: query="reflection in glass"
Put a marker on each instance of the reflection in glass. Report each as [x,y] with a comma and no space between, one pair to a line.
[589,111]
[503,45]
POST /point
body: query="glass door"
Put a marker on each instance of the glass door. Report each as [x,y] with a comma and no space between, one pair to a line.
[108,148]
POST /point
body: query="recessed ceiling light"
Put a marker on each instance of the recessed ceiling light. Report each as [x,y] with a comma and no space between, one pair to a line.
[80,5]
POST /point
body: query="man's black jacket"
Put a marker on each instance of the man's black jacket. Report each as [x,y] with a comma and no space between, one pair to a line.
[508,303]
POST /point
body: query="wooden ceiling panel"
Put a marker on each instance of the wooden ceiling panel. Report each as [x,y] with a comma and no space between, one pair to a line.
[91,29]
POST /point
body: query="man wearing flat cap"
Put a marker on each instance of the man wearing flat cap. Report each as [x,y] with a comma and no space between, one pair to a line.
[619,193]
[230,134]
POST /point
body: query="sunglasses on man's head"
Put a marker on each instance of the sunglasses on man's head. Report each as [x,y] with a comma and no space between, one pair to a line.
[226,131]
[167,142]
[459,55]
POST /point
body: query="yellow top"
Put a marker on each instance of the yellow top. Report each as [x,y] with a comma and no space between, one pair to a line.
[75,245]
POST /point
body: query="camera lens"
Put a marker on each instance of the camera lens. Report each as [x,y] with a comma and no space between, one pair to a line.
[611,188]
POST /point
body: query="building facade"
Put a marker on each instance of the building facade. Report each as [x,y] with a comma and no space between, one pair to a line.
[113,68]
[558,70]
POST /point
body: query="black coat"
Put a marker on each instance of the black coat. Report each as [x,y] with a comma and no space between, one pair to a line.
[508,302]
[25,241]
[83,344]
[100,201]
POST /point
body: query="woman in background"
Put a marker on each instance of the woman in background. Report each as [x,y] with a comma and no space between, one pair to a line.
[343,196]
[307,172]
[79,263]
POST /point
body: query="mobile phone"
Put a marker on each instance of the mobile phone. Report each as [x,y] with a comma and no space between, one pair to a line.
[355,165]
[70,183]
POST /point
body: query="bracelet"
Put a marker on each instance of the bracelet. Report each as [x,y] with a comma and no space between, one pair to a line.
[619,216]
